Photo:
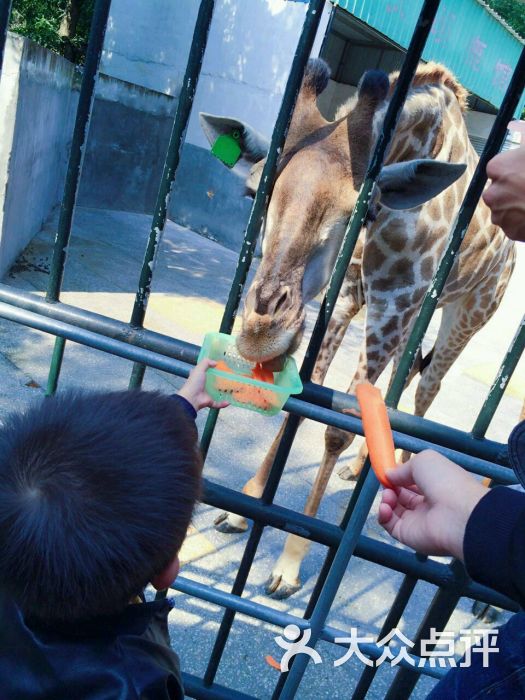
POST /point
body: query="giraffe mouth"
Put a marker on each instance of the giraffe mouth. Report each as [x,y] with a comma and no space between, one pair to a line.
[276,364]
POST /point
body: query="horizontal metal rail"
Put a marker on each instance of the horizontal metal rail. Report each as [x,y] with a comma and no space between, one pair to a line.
[123,347]
[421,428]
[281,619]
[369,549]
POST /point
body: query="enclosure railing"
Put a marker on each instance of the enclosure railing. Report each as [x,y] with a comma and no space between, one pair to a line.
[146,348]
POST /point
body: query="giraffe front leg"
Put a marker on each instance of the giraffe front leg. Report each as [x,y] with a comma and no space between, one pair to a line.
[233,523]
[347,306]
[284,579]
[349,472]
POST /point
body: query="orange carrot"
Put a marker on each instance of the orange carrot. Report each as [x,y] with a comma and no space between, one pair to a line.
[272,662]
[378,433]
[262,374]
[222,366]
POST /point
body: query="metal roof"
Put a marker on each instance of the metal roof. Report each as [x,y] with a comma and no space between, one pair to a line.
[468,37]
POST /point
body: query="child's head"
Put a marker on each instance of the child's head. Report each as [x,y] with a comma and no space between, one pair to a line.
[96,494]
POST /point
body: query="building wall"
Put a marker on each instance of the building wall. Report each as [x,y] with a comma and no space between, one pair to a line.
[246,64]
[37,105]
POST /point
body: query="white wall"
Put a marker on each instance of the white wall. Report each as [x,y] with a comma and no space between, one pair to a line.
[37,107]
[246,64]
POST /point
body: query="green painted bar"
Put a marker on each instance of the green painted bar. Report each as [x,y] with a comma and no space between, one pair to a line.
[345,550]
[171,163]
[74,168]
[302,53]
[391,621]
[500,382]
[466,212]
[262,196]
[445,602]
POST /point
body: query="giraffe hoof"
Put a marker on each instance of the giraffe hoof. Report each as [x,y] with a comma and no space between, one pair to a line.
[347,473]
[222,524]
[278,589]
[485,613]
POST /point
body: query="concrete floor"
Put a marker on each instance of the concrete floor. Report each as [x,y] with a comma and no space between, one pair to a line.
[191,285]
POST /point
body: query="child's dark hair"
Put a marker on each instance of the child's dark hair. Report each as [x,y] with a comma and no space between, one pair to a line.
[96,494]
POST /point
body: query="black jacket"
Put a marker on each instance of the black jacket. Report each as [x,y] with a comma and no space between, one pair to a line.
[125,657]
[494,543]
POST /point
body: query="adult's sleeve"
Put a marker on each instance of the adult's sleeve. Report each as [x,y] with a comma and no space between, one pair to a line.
[494,542]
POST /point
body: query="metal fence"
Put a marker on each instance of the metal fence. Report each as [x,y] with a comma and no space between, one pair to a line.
[145,348]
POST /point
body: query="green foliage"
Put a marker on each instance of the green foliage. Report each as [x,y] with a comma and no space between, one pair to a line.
[512,11]
[59,25]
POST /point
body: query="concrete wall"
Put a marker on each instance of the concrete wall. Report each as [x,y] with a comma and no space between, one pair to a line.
[246,64]
[128,136]
[37,106]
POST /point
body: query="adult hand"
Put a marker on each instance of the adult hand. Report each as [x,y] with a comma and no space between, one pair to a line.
[506,194]
[430,504]
[194,390]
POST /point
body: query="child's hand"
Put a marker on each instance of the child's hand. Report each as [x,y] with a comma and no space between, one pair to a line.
[194,390]
[430,505]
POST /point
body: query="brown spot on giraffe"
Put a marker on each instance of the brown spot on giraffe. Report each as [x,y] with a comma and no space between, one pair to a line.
[426,267]
[402,302]
[397,238]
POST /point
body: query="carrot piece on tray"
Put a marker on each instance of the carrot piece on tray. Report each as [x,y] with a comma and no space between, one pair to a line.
[378,433]
[262,374]
[246,393]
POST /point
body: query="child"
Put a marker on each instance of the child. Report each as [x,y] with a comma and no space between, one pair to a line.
[96,495]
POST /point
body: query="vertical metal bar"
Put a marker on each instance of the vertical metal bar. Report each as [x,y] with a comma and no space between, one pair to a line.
[391,621]
[354,227]
[423,28]
[302,53]
[5,11]
[499,384]
[262,196]
[370,484]
[74,168]
[467,209]
[445,602]
[171,163]
[443,605]
[360,211]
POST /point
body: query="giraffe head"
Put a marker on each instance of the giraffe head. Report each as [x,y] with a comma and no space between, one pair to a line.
[319,174]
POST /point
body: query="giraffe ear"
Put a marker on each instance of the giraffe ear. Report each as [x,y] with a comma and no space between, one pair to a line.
[253,145]
[412,183]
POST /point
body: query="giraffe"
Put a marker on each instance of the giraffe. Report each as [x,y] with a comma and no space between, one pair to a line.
[319,174]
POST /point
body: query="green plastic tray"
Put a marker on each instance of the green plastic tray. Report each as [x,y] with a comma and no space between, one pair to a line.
[243,391]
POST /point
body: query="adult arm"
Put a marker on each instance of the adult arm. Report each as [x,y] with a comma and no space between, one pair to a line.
[438,508]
